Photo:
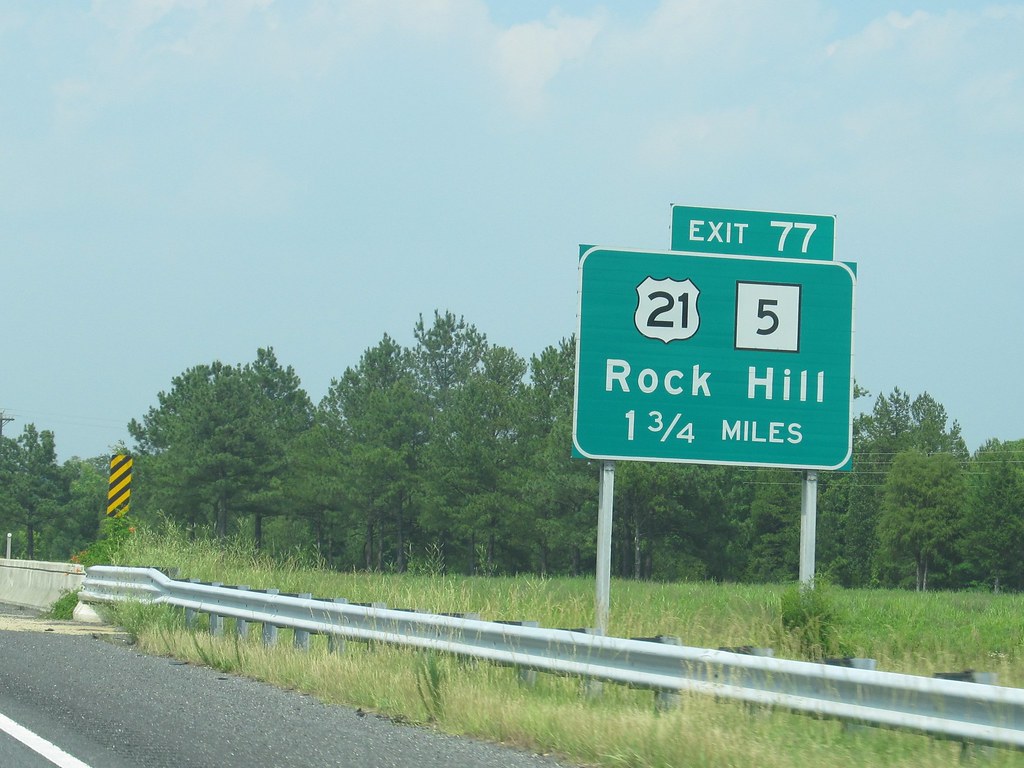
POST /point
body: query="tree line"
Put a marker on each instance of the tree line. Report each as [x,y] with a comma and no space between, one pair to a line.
[454,455]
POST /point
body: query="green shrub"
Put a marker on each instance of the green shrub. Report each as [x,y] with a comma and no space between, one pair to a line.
[114,534]
[810,616]
[63,607]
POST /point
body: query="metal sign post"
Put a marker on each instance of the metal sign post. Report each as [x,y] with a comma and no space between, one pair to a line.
[808,525]
[605,497]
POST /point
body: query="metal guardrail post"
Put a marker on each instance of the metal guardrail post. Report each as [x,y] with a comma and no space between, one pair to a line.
[335,642]
[665,700]
[528,676]
[969,676]
[375,606]
[969,750]
[853,663]
[750,650]
[592,688]
[191,613]
[241,625]
[216,620]
[301,639]
[269,628]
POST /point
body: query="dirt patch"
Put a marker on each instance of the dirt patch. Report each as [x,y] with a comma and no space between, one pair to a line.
[34,624]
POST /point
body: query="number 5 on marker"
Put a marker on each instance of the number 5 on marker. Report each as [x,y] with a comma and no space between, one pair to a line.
[768,316]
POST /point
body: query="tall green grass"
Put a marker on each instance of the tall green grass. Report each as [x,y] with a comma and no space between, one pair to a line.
[907,632]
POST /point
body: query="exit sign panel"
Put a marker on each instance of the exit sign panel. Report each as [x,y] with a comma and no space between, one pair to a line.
[753,233]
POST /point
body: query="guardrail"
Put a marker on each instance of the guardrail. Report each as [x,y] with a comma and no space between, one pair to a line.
[970,712]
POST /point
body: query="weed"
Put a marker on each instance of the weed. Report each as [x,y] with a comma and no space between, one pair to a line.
[201,651]
[137,618]
[115,532]
[810,615]
[432,562]
[63,607]
[484,564]
[430,683]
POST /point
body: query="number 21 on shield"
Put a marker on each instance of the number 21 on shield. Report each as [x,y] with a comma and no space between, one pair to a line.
[667,309]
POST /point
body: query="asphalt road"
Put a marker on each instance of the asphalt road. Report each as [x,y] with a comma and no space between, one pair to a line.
[110,706]
[15,754]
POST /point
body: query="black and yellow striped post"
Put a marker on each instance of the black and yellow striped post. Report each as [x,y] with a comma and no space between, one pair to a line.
[120,485]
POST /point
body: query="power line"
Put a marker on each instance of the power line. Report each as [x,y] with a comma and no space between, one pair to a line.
[90,422]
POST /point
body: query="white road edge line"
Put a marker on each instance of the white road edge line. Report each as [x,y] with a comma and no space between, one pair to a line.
[38,744]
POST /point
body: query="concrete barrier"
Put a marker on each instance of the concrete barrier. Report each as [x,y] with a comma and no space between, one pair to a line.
[36,584]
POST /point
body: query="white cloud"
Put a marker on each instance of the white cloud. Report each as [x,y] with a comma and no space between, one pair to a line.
[939,73]
[529,56]
[130,20]
[925,44]
[993,103]
[719,37]
[700,139]
[156,40]
[427,19]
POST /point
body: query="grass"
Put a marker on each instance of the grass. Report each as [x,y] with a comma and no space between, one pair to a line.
[63,607]
[906,632]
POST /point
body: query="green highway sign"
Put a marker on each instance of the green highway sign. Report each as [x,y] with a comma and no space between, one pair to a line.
[753,233]
[696,358]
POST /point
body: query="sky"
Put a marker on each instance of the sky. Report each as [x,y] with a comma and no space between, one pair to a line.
[184,181]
